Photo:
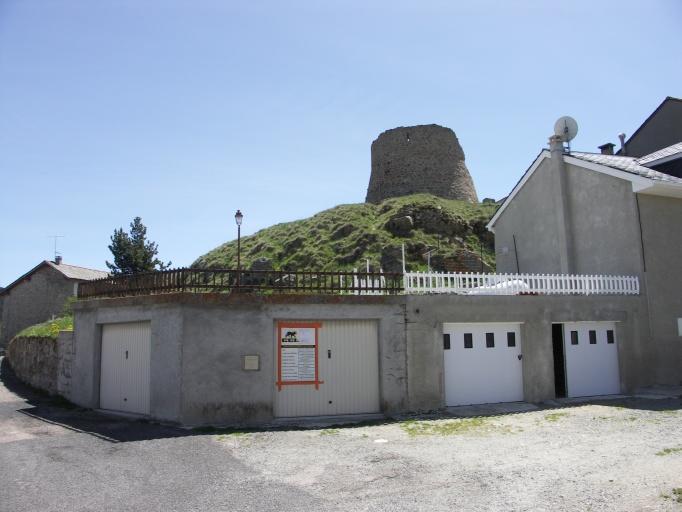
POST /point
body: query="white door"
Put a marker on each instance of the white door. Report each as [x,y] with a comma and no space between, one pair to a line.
[591,354]
[124,381]
[482,363]
[348,368]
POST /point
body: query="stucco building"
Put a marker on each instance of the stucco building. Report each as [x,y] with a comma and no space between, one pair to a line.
[599,213]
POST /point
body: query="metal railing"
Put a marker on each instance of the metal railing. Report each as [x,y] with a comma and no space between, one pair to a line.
[519,284]
[229,280]
[354,283]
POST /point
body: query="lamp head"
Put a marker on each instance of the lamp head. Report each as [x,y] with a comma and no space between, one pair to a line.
[238,218]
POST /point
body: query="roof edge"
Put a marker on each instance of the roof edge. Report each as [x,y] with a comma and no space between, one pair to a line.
[490,226]
[646,121]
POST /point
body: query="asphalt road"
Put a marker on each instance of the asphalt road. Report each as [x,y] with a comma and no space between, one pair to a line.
[57,459]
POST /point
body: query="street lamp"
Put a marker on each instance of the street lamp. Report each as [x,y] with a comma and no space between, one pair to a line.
[238,219]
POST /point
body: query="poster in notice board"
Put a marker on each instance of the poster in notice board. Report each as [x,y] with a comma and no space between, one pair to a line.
[297,348]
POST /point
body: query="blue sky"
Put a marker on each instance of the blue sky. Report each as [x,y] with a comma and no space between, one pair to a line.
[182,112]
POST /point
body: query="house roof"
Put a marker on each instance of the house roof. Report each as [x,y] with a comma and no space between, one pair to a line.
[624,167]
[68,271]
[625,163]
[651,116]
[672,152]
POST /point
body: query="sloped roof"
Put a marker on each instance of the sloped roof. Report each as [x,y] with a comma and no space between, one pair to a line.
[668,99]
[624,167]
[668,153]
[80,273]
[68,271]
[625,163]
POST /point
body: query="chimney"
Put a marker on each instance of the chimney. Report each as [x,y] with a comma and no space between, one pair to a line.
[621,136]
[607,149]
[58,260]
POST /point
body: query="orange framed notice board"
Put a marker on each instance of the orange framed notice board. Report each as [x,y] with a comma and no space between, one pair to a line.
[297,354]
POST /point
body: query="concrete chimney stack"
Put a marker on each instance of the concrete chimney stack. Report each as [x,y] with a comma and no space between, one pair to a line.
[58,260]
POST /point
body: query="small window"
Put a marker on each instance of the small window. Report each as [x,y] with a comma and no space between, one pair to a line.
[511,339]
[490,339]
[609,336]
[468,340]
[593,337]
[574,337]
[446,342]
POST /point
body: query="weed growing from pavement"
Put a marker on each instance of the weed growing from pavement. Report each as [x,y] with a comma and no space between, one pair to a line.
[223,437]
[415,428]
[555,416]
[669,451]
[677,495]
[330,432]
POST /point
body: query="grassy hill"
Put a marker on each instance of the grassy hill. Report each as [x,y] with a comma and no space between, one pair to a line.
[344,237]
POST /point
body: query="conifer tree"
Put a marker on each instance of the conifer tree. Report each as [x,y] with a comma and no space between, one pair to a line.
[132,252]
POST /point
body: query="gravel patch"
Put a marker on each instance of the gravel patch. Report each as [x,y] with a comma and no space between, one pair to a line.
[587,457]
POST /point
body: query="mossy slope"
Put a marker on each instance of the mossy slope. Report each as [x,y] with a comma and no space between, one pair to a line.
[344,237]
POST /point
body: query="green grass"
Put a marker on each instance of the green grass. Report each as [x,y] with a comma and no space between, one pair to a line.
[342,238]
[49,329]
[415,428]
[555,416]
[669,451]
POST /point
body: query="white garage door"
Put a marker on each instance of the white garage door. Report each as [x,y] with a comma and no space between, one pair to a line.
[482,363]
[348,368]
[591,354]
[124,384]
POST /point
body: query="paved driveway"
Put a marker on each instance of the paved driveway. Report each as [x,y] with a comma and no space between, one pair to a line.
[624,455]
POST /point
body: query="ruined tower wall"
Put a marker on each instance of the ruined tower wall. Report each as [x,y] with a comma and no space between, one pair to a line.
[419,159]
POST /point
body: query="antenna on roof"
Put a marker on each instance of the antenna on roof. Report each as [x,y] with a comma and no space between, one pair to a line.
[567,128]
[56,254]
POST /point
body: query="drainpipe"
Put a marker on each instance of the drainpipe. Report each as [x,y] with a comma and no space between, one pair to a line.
[560,189]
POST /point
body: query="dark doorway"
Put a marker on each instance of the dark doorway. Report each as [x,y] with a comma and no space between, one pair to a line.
[559,363]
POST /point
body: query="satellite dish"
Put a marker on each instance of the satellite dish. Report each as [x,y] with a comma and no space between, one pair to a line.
[566,127]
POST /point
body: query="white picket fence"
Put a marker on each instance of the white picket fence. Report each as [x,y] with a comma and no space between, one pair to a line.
[519,284]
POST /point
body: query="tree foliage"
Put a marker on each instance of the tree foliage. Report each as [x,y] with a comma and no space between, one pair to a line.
[132,252]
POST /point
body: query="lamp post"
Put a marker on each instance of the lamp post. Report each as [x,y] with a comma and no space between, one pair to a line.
[238,219]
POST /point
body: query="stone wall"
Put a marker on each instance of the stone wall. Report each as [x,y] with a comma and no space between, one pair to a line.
[419,159]
[34,361]
[65,356]
[44,363]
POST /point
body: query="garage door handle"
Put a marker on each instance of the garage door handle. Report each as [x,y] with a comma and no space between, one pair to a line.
[520,356]
[126,354]
[329,354]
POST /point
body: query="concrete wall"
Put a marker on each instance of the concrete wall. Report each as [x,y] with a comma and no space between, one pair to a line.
[662,233]
[602,218]
[419,159]
[531,220]
[197,346]
[166,349]
[426,315]
[663,130]
[217,390]
[34,300]
[603,221]
[198,342]
[34,361]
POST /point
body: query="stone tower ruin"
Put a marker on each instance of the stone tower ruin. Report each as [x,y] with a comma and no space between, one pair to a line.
[419,159]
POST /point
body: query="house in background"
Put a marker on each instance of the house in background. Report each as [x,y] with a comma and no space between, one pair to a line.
[663,128]
[599,213]
[40,294]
